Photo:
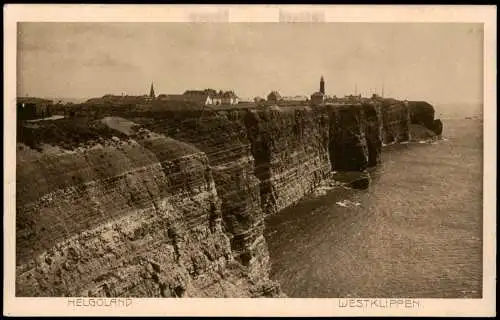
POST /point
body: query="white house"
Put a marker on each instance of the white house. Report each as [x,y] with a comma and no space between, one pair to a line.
[229,97]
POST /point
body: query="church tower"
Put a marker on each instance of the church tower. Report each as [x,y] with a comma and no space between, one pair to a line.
[152,92]
[322,85]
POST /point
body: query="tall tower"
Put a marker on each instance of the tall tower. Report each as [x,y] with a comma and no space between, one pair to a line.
[152,92]
[322,85]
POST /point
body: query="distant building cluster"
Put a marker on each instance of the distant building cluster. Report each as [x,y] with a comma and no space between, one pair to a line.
[205,97]
[316,98]
[32,108]
[211,97]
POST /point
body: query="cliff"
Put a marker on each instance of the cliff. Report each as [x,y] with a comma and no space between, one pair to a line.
[290,147]
[137,216]
[422,114]
[173,203]
[396,121]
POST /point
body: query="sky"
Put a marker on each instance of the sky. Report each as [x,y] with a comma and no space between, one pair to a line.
[436,62]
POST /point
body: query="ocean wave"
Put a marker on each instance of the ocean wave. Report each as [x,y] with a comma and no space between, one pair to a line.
[347,203]
[322,191]
[326,186]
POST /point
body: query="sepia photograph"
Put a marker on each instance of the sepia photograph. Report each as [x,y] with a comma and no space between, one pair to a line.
[340,160]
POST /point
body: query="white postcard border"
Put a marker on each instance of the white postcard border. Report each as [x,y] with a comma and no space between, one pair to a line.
[251,13]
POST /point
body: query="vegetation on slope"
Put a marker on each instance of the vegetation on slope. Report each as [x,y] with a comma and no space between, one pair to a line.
[66,133]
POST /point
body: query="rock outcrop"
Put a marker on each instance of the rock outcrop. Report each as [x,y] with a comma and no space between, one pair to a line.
[422,113]
[173,203]
[139,217]
[290,149]
[373,132]
[437,127]
[395,121]
[223,137]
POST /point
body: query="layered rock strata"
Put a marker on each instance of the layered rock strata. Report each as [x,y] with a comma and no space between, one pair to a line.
[289,146]
[347,138]
[173,203]
[223,137]
[139,218]
[373,132]
[395,121]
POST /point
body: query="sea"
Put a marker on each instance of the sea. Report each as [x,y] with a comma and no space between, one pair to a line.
[415,232]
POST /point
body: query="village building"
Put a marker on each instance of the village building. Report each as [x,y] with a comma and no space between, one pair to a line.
[198,96]
[152,92]
[119,100]
[353,98]
[201,99]
[331,99]
[33,108]
[295,100]
[229,97]
[169,97]
[217,98]
[319,97]
[151,95]
[274,97]
[205,97]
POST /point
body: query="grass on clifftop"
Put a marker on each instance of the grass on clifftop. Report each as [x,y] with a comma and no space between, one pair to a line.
[66,133]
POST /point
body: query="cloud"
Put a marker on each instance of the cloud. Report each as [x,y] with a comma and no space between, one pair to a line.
[412,59]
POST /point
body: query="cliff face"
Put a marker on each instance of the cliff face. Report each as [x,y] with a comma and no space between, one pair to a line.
[223,137]
[173,204]
[374,132]
[395,121]
[290,150]
[124,218]
[422,113]
[348,143]
[356,133]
